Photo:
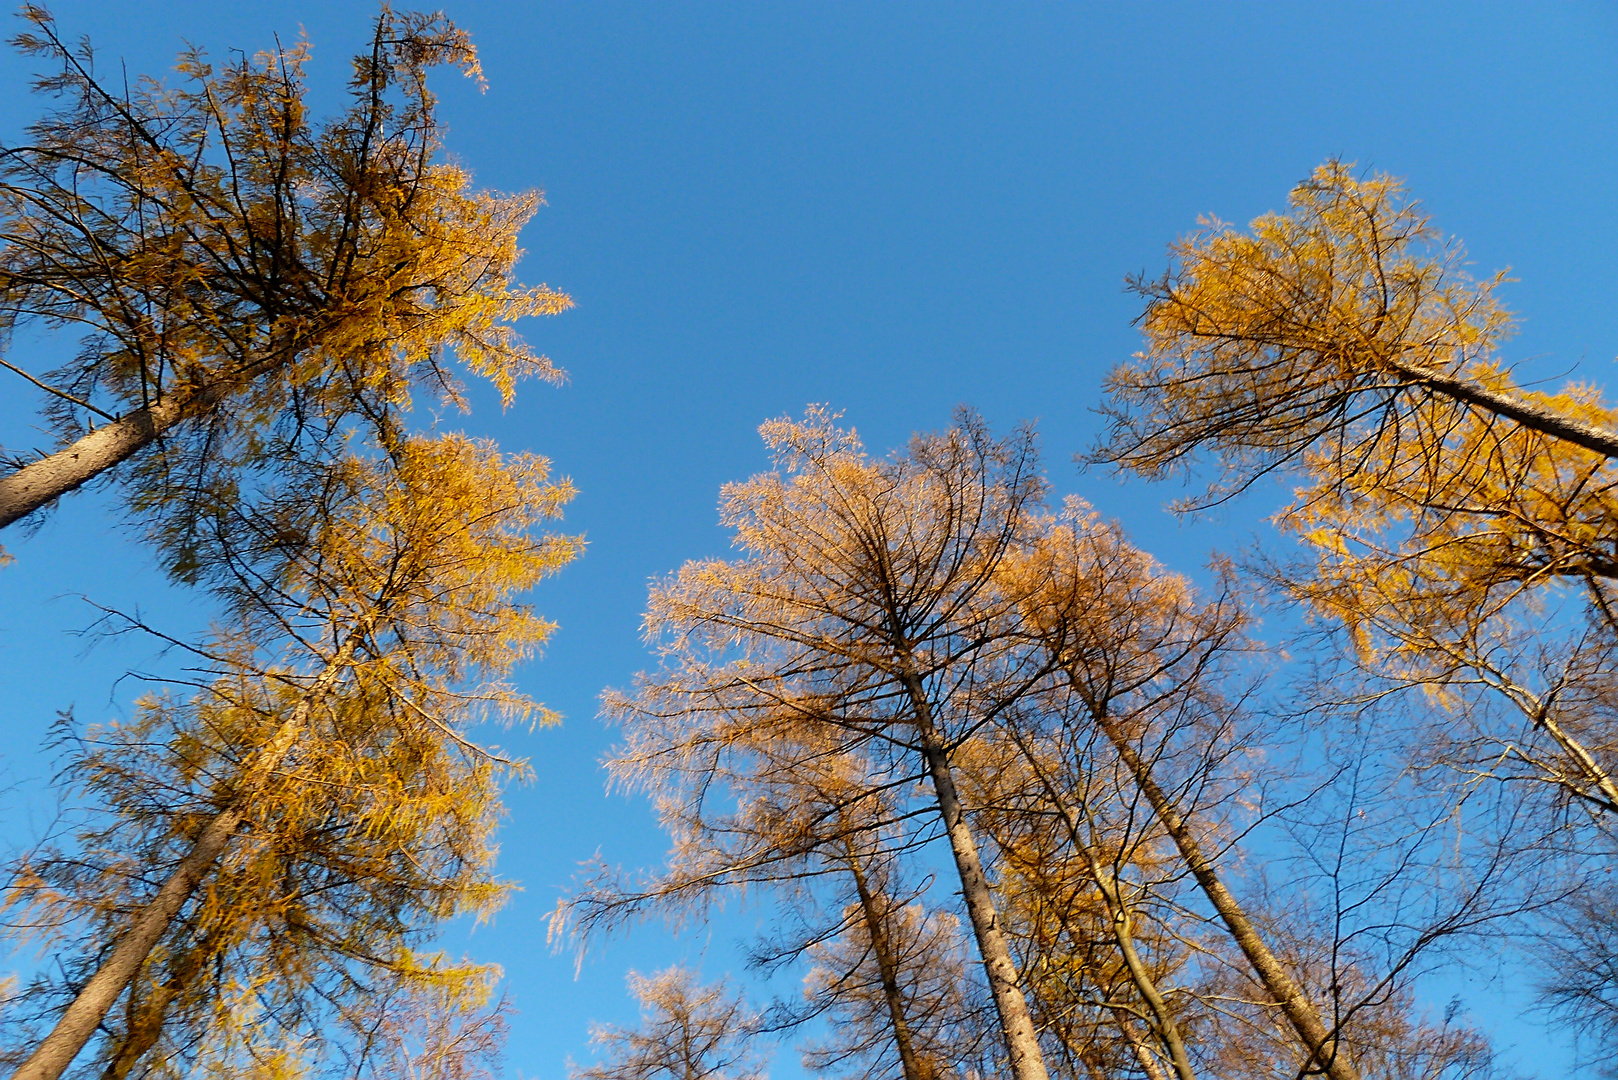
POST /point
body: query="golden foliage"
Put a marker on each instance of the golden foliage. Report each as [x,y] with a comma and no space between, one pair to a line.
[335,723]
[1299,333]
[688,1032]
[224,253]
[1454,518]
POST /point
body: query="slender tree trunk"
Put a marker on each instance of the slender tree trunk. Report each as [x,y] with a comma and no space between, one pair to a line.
[1164,1025]
[1022,1041]
[147,1014]
[146,927]
[887,964]
[1123,925]
[1593,772]
[1535,417]
[1143,1053]
[1321,1044]
[35,485]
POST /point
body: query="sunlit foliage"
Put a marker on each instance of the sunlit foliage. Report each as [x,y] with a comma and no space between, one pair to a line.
[687,1032]
[1457,529]
[240,270]
[324,758]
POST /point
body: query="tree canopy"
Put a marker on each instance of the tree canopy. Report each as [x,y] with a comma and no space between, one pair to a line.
[240,272]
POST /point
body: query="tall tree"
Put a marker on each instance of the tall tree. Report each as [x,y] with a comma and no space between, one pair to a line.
[1459,529]
[687,1032]
[239,270]
[861,611]
[1315,336]
[1443,517]
[1088,895]
[757,805]
[895,988]
[372,620]
[350,861]
[1150,696]
[1141,659]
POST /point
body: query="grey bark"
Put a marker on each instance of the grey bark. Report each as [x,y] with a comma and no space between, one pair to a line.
[1022,1041]
[147,1015]
[38,483]
[1143,1053]
[1536,417]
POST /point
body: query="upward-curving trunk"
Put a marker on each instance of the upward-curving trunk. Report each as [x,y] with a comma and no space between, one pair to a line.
[887,963]
[1016,1023]
[95,999]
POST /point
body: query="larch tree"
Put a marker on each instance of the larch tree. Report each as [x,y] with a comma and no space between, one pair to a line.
[1150,697]
[1315,336]
[862,612]
[1087,897]
[895,988]
[1141,659]
[1493,582]
[275,843]
[687,1032]
[1459,529]
[1444,513]
[238,270]
[758,804]
[915,647]
[260,296]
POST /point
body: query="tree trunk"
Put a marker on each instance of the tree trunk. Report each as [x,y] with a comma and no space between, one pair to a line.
[887,964]
[96,998]
[1143,1053]
[35,485]
[1123,931]
[147,1014]
[1535,417]
[1320,1044]
[1022,1042]
[1593,772]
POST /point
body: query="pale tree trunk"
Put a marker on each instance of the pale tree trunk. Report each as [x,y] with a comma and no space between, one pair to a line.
[36,484]
[887,964]
[1592,770]
[1538,418]
[96,998]
[1143,1053]
[1122,924]
[1321,1045]
[1537,710]
[1022,1041]
[1165,1026]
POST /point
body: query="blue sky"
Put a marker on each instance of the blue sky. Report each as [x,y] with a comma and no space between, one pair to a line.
[892,209]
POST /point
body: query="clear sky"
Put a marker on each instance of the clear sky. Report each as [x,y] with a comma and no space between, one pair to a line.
[889,208]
